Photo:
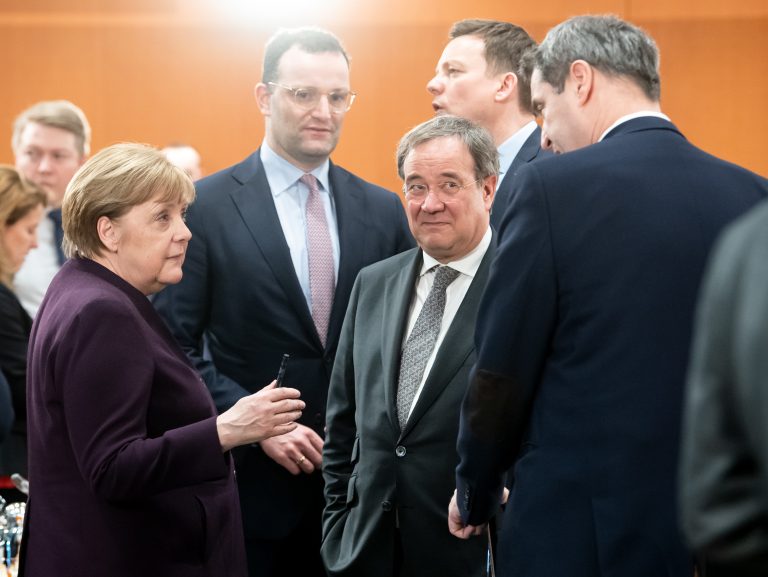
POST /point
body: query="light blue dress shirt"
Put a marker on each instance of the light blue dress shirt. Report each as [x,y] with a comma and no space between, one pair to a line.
[290,197]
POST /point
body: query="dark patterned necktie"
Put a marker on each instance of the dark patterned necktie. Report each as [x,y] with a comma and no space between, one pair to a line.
[418,347]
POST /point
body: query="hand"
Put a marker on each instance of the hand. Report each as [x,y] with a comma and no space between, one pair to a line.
[287,450]
[272,411]
[456,525]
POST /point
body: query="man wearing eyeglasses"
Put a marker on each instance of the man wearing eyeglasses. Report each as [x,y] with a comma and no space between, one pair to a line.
[278,240]
[402,368]
[480,77]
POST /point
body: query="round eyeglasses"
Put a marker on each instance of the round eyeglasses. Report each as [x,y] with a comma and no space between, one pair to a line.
[308,98]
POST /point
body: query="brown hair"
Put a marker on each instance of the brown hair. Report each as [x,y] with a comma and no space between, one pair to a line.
[17,198]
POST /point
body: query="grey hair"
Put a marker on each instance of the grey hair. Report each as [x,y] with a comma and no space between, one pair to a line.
[477,140]
[608,43]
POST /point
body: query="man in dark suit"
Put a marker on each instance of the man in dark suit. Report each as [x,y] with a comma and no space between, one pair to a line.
[402,369]
[724,474]
[278,241]
[480,77]
[584,328]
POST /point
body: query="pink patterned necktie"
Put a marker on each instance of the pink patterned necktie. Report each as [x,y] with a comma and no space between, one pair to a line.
[322,278]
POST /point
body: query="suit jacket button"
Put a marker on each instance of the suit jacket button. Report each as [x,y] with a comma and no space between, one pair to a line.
[400,451]
[318,419]
[386,506]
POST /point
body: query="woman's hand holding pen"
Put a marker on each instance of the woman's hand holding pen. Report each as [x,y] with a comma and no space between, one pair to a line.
[271,411]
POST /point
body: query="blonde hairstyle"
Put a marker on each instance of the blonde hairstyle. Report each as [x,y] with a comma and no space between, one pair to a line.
[112,182]
[17,198]
[58,114]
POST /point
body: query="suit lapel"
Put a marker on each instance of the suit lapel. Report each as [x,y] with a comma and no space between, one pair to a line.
[398,292]
[348,200]
[527,152]
[456,346]
[257,208]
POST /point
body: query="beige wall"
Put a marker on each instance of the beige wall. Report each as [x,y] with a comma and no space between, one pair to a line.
[161,70]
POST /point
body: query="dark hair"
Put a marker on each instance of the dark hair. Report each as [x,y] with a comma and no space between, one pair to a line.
[505,47]
[312,40]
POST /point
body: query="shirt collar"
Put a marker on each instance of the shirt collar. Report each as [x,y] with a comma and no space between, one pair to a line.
[282,175]
[468,264]
[510,148]
[632,116]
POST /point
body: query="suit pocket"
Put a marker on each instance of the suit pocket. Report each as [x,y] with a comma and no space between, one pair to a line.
[352,491]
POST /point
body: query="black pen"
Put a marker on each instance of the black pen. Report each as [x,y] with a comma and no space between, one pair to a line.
[281,370]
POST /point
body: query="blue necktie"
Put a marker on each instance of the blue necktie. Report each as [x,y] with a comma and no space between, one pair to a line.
[58,233]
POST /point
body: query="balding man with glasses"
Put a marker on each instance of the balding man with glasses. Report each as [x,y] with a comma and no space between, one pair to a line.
[278,240]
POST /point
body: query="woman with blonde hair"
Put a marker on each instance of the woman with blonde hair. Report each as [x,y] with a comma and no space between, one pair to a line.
[21,207]
[130,469]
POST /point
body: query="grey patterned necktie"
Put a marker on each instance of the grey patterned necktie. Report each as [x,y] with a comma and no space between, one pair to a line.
[418,347]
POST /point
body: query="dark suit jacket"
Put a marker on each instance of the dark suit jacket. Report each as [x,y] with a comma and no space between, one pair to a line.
[724,473]
[240,292]
[127,475]
[15,325]
[372,469]
[530,151]
[583,338]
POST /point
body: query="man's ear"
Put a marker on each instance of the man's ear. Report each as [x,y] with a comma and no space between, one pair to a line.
[582,76]
[262,94]
[489,190]
[108,233]
[507,88]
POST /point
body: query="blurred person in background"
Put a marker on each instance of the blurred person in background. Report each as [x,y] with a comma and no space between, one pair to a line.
[724,462]
[21,208]
[185,157]
[51,140]
[130,468]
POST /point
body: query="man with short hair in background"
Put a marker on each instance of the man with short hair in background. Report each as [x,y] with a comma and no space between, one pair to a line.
[51,140]
[584,328]
[277,241]
[479,77]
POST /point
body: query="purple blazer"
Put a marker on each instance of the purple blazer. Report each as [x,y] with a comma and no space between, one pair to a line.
[126,472]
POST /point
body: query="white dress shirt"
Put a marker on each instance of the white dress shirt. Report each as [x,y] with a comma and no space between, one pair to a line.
[290,197]
[454,295]
[39,268]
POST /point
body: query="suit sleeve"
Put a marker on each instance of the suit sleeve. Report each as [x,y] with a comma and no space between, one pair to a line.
[513,333]
[6,408]
[722,489]
[104,371]
[13,350]
[185,307]
[404,238]
[341,429]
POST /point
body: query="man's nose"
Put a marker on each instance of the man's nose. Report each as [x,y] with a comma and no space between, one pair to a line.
[432,202]
[323,107]
[435,86]
[546,142]
[45,163]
